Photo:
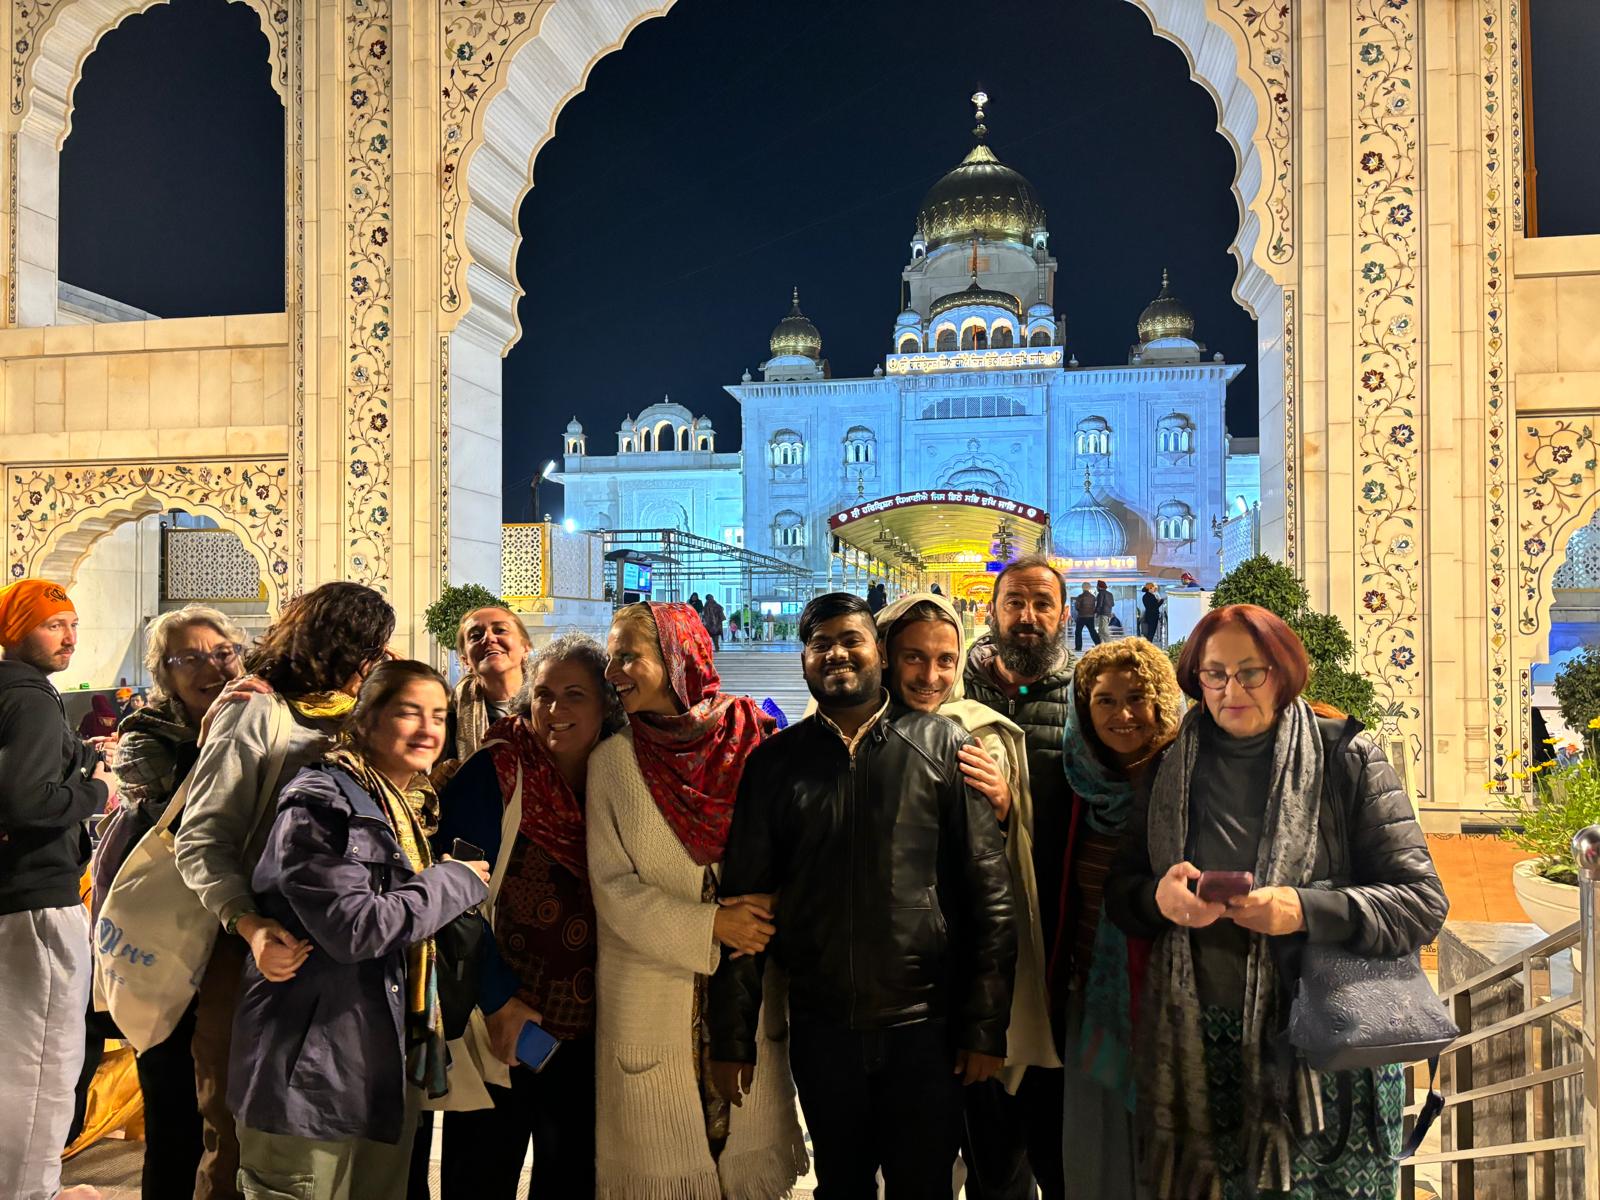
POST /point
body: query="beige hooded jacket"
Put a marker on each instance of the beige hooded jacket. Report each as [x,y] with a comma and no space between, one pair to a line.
[1028,1038]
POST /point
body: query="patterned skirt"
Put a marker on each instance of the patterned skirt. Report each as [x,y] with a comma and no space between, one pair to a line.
[1363,1172]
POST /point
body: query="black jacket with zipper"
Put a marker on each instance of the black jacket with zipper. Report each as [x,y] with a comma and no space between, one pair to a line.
[894,897]
[46,794]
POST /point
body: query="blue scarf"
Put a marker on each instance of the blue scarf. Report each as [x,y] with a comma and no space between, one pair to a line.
[1105,1043]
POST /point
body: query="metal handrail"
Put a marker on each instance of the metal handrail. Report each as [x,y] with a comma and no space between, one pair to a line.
[1541,1149]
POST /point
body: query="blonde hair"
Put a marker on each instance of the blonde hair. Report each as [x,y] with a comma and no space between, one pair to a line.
[461,629]
[640,618]
[160,632]
[1150,665]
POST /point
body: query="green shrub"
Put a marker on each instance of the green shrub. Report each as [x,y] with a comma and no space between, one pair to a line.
[443,616]
[1564,800]
[1578,689]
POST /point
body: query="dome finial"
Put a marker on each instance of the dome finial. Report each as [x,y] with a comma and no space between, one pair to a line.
[979,99]
[795,310]
[1165,284]
[974,260]
[1088,482]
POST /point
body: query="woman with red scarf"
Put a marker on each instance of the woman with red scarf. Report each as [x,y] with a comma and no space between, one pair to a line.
[527,782]
[661,797]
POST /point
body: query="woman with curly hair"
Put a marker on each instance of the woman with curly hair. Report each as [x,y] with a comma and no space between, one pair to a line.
[1126,707]
[528,782]
[314,659]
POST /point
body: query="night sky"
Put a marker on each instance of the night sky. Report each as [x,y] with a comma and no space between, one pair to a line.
[725,154]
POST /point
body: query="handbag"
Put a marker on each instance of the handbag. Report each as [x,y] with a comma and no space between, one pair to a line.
[154,938]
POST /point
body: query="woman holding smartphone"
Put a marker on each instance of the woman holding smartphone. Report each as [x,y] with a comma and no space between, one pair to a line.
[661,800]
[329,1067]
[1269,823]
[538,974]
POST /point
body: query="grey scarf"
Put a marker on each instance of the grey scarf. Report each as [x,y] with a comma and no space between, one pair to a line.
[1176,1113]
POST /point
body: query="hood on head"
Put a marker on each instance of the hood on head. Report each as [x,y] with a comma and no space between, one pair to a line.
[890,614]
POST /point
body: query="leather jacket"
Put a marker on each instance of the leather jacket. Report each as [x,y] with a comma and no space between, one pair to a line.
[895,901]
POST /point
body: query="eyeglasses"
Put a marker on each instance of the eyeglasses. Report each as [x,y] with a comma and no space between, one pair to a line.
[222,656]
[1250,678]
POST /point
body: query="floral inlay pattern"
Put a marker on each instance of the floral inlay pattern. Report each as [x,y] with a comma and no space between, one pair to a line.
[1556,489]
[43,501]
[478,38]
[1514,100]
[444,461]
[1388,267]
[1269,37]
[1291,436]
[1497,482]
[369,437]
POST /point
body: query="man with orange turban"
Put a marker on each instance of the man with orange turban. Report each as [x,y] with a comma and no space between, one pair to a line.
[50,784]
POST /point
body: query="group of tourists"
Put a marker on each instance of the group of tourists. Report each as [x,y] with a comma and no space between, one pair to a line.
[587,903]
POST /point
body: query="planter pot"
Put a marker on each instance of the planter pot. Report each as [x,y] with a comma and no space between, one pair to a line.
[1550,906]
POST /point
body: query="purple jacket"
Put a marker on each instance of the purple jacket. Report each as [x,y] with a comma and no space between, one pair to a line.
[323,1055]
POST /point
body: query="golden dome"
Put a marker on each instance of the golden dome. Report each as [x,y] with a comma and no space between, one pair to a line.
[974,294]
[981,197]
[1165,317]
[795,334]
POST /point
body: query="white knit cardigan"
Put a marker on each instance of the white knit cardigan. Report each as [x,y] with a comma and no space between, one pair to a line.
[654,938]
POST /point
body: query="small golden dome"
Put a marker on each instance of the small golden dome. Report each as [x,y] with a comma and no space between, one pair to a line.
[981,197]
[974,294]
[1166,316]
[795,334]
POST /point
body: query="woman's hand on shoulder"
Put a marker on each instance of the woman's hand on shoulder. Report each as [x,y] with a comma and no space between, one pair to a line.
[1179,904]
[235,691]
[1274,911]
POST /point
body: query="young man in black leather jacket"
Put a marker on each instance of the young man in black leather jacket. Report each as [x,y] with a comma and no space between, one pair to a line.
[894,922]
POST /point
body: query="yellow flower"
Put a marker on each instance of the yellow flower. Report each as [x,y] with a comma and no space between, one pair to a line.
[1595,724]
[1519,774]
[1490,786]
[1552,741]
[1515,754]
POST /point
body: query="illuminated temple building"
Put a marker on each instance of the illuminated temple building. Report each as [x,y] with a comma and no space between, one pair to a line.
[979,393]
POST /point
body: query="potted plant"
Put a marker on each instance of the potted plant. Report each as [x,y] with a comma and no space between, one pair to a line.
[1563,801]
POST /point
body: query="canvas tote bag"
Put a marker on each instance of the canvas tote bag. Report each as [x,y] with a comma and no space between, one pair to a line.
[472,1063]
[154,938]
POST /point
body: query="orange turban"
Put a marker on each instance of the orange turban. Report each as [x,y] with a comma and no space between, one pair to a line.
[27,604]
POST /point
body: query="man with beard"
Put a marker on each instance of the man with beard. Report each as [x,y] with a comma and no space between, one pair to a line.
[895,928]
[50,783]
[1023,670]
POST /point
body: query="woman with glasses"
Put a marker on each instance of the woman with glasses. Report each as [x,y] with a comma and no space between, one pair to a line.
[314,658]
[1300,809]
[192,654]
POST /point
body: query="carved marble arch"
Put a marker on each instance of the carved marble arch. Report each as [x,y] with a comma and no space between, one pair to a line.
[58,513]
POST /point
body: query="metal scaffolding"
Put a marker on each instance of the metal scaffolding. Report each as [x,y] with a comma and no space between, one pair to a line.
[676,558]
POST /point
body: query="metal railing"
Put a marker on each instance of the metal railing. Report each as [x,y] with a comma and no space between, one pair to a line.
[1529,1129]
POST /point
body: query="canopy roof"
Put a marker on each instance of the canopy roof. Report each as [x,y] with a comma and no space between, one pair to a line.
[909,528]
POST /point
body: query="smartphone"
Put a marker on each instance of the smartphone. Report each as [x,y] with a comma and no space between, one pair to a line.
[464,851]
[1218,887]
[535,1046]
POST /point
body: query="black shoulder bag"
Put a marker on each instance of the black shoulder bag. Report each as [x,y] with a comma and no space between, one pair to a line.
[1352,1012]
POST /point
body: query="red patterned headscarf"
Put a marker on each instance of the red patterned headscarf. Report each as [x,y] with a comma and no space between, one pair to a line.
[552,817]
[692,761]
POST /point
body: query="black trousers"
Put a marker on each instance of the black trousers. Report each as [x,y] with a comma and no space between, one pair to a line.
[484,1150]
[1079,624]
[1010,1143]
[174,1135]
[886,1098]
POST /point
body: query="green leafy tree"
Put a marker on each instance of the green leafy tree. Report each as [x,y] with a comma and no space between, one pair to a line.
[1276,588]
[1578,689]
[443,616]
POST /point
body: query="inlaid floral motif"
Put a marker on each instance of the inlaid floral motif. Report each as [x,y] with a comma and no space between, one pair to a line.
[1388,269]
[1291,436]
[478,38]
[1269,40]
[1556,480]
[43,502]
[369,438]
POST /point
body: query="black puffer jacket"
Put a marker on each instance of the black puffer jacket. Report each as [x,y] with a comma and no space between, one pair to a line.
[1385,897]
[895,897]
[46,794]
[1041,709]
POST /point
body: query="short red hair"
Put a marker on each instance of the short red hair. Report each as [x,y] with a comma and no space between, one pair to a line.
[1275,641]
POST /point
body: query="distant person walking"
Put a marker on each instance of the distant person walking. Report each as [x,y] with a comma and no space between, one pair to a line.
[1105,606]
[713,616]
[1150,616]
[1083,610]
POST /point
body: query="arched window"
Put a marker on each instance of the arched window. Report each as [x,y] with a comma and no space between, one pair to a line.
[947,338]
[909,344]
[1175,435]
[627,445]
[683,438]
[788,449]
[1093,438]
[860,445]
[644,439]
[664,437]
[788,529]
[969,338]
[705,443]
[1039,337]
[1001,339]
[1174,522]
